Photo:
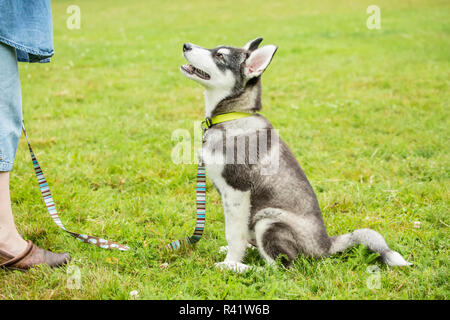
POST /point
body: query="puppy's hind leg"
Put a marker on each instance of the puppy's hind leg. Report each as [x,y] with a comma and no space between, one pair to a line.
[276,238]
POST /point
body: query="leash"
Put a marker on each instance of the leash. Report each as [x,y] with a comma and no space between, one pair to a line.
[106,244]
[201,184]
[50,204]
[201,213]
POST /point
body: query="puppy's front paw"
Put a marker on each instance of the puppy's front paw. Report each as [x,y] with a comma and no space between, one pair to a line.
[233,266]
[223,249]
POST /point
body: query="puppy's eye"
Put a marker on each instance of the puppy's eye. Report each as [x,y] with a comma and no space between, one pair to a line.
[219,55]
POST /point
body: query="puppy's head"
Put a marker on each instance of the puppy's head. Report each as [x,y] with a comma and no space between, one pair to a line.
[225,68]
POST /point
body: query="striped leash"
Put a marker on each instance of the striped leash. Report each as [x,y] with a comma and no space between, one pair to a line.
[50,204]
[201,182]
[201,213]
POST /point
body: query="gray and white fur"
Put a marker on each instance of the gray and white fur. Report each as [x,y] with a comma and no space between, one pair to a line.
[278,213]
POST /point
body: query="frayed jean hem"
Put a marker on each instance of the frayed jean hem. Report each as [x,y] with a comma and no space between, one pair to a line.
[5,166]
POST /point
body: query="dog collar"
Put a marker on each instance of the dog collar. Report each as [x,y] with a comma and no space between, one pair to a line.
[225,117]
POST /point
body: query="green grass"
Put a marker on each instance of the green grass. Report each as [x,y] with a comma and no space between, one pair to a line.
[366,113]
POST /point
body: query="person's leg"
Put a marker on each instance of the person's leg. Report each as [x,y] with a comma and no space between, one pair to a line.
[10,130]
[10,240]
[15,252]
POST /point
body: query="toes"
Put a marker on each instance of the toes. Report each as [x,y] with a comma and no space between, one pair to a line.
[224,249]
[233,266]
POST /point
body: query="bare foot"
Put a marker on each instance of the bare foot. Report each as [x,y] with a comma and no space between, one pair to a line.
[10,240]
[13,244]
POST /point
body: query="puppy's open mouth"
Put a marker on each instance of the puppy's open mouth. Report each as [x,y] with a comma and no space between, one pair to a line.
[190,69]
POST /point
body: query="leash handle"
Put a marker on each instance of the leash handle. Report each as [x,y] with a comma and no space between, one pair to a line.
[51,208]
[201,213]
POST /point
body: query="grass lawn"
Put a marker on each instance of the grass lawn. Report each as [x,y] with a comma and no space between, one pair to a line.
[366,113]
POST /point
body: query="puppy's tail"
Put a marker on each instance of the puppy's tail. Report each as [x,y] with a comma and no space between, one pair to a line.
[371,239]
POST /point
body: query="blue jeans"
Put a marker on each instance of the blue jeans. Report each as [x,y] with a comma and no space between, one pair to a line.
[10,107]
[27,26]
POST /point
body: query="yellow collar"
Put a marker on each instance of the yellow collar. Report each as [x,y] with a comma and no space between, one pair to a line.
[209,122]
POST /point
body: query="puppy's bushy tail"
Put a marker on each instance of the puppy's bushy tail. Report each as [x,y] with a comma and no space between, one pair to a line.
[371,239]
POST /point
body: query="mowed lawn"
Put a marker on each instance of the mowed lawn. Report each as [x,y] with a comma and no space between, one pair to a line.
[366,113]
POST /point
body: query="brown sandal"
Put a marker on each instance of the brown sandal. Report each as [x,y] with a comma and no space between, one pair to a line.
[32,256]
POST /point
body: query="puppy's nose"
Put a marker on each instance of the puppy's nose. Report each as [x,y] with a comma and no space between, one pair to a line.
[187,47]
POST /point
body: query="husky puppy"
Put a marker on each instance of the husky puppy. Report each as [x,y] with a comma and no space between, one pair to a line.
[276,211]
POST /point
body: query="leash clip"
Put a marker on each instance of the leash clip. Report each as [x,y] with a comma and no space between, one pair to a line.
[206,124]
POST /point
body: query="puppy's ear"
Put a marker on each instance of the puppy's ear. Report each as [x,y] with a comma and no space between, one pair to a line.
[253,44]
[259,60]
